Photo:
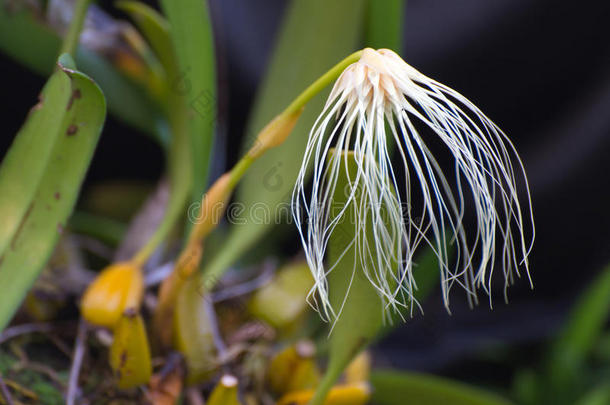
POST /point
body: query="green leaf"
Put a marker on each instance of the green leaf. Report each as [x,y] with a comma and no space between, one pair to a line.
[581,331]
[28,41]
[46,213]
[526,387]
[185,148]
[426,272]
[156,30]
[33,144]
[191,34]
[358,307]
[384,24]
[398,388]
[303,53]
[599,396]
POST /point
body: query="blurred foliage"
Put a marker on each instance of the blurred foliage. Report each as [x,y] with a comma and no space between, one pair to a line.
[160,78]
[46,195]
[28,384]
[302,53]
[191,35]
[569,372]
[392,387]
[31,42]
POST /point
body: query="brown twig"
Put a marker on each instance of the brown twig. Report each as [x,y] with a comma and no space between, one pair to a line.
[25,329]
[221,348]
[46,370]
[22,391]
[248,286]
[194,397]
[77,360]
[5,392]
[61,346]
[158,274]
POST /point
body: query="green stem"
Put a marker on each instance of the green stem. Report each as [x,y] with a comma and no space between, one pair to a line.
[321,83]
[180,180]
[76,25]
[330,378]
[239,170]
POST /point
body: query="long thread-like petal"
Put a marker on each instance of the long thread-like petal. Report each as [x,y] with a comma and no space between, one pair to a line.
[380,103]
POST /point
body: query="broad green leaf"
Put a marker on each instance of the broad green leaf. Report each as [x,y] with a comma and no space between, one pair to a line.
[584,326]
[33,144]
[191,34]
[358,308]
[426,273]
[315,35]
[47,212]
[28,41]
[398,388]
[384,24]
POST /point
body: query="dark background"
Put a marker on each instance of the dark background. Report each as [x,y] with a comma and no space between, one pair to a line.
[539,68]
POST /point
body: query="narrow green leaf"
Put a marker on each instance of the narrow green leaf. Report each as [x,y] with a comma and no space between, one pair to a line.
[156,30]
[384,24]
[584,326]
[47,212]
[185,146]
[398,388]
[191,34]
[314,36]
[33,144]
[28,41]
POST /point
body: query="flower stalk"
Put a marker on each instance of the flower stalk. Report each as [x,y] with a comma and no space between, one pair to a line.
[77,22]
[215,200]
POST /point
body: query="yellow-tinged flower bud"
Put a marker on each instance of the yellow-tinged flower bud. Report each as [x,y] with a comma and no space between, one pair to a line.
[117,288]
[130,353]
[282,302]
[212,209]
[275,133]
[294,369]
[350,394]
[359,369]
[225,392]
[192,333]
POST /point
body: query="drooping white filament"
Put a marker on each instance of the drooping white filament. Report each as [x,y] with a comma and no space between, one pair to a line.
[379,101]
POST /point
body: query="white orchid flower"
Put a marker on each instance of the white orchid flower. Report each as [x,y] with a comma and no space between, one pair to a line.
[377,104]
